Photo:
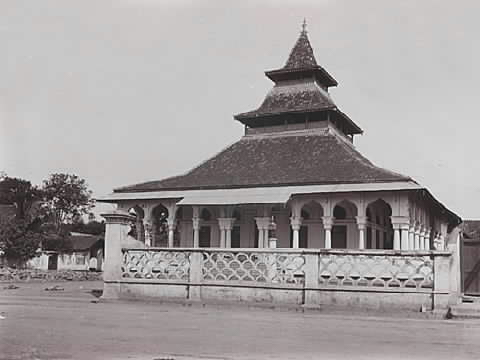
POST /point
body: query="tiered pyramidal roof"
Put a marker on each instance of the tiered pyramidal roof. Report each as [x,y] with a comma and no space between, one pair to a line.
[297,136]
[301,88]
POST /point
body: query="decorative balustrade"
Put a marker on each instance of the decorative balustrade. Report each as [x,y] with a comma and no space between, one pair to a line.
[377,271]
[251,267]
[156,264]
[286,268]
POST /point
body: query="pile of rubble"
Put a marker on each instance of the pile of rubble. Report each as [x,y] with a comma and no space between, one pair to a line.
[14,275]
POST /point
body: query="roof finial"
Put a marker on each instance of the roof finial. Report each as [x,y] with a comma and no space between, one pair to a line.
[304,26]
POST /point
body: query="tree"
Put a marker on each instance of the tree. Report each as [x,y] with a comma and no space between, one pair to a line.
[20,193]
[20,235]
[66,197]
[19,240]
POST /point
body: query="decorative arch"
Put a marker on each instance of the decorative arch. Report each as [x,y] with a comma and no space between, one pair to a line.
[346,207]
[206,214]
[137,229]
[313,209]
[160,225]
[379,234]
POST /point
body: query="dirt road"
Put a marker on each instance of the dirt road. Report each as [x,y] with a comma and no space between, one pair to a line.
[66,324]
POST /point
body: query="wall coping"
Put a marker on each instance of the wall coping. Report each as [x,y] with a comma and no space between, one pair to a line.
[304,251]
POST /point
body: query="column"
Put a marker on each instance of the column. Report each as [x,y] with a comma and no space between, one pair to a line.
[296,223]
[226,225]
[396,237]
[422,238]
[405,236]
[362,224]
[148,227]
[140,230]
[196,226]
[411,237]
[222,237]
[417,237]
[374,237]
[117,225]
[171,231]
[196,233]
[327,225]
[262,226]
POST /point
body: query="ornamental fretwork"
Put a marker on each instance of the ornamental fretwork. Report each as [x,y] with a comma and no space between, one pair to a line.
[377,271]
[161,265]
[251,267]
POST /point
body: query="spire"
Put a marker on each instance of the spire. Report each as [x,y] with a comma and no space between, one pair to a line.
[304,26]
[301,56]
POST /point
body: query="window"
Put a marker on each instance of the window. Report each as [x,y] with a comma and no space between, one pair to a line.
[79,259]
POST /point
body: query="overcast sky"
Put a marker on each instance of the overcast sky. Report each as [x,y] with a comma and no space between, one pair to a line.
[126,91]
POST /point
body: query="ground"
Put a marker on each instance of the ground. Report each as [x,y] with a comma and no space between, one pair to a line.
[66,324]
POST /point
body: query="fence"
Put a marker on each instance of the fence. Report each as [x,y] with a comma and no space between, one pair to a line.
[343,270]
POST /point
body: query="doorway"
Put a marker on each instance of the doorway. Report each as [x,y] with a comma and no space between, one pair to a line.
[52,262]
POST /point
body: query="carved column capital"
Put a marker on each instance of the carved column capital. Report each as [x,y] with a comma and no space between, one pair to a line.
[361,222]
[226,223]
[262,223]
[328,222]
[196,223]
[296,222]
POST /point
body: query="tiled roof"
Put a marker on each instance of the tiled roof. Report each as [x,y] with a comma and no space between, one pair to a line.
[287,159]
[83,241]
[7,211]
[301,55]
[292,96]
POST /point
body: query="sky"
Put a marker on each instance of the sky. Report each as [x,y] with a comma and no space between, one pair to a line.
[126,91]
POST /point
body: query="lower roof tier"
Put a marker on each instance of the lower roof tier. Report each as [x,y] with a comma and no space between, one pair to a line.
[304,158]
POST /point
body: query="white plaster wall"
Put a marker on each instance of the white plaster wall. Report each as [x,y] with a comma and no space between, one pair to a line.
[69,261]
[39,262]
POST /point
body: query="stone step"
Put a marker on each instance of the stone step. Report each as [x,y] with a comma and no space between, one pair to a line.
[466,311]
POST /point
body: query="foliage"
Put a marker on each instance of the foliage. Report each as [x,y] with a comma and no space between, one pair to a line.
[19,239]
[66,197]
[92,227]
[20,193]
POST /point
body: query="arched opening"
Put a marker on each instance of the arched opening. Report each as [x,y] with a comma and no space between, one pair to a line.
[235,237]
[160,226]
[311,213]
[379,233]
[206,215]
[344,213]
[205,232]
[137,230]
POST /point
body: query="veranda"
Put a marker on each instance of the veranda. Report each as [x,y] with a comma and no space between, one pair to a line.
[378,249]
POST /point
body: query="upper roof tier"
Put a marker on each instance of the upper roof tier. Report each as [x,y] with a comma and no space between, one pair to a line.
[300,93]
[302,62]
